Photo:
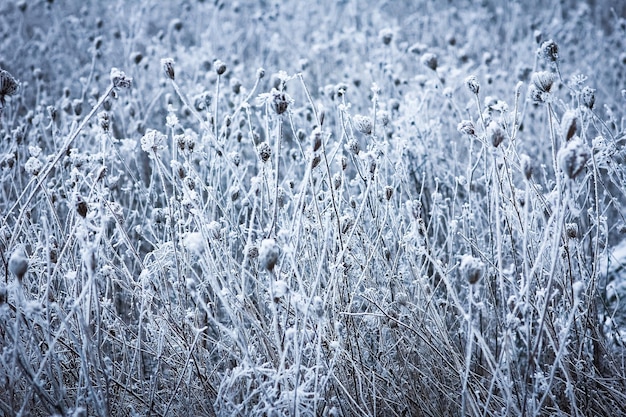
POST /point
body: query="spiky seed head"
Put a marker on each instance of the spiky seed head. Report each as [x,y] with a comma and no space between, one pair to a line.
[265,151]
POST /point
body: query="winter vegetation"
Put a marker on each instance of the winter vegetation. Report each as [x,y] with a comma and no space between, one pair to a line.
[333,208]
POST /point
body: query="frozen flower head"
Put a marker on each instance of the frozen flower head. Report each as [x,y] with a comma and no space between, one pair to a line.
[573,157]
[430,60]
[495,133]
[541,84]
[168,67]
[527,166]
[8,86]
[543,81]
[386,36]
[220,67]
[466,127]
[18,262]
[268,254]
[33,166]
[119,79]
[472,84]
[152,141]
[569,123]
[588,97]
[363,124]
[265,151]
[471,268]
[549,51]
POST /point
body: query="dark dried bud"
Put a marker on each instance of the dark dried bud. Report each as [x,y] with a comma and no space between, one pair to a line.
[220,67]
[430,60]
[388,192]
[571,230]
[569,124]
[280,101]
[168,68]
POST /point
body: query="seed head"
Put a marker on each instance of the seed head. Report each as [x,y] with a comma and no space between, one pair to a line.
[8,86]
[588,97]
[220,67]
[430,60]
[527,166]
[495,133]
[549,51]
[466,127]
[569,124]
[543,81]
[18,262]
[168,68]
[265,151]
[471,268]
[573,157]
[386,36]
[119,79]
[472,84]
[268,254]
[363,124]
[571,230]
[33,166]
[280,101]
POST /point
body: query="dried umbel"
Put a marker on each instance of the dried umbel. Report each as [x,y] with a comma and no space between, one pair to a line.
[573,157]
[472,84]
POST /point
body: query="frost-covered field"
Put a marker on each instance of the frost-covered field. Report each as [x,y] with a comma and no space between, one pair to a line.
[334,208]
